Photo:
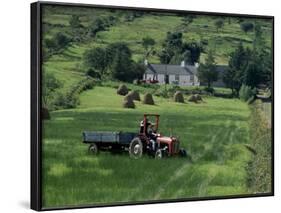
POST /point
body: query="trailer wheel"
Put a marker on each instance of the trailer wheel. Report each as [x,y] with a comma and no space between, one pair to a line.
[93,149]
[136,148]
[159,154]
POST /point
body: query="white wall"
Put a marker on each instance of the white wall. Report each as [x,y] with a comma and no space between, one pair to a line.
[15,107]
[161,78]
[172,78]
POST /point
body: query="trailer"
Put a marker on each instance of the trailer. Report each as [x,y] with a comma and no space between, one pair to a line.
[112,141]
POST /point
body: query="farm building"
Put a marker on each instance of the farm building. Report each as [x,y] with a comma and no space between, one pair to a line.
[179,74]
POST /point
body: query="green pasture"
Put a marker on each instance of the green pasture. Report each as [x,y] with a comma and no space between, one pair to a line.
[213,132]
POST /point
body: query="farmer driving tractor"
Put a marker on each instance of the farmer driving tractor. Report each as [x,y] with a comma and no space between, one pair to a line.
[147,128]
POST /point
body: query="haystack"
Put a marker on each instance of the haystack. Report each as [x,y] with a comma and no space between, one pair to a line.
[198,97]
[45,114]
[195,98]
[192,98]
[178,97]
[122,90]
[148,99]
[135,95]
[128,102]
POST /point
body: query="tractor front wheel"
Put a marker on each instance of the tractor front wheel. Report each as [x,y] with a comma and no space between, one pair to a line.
[93,149]
[159,154]
[136,148]
[182,153]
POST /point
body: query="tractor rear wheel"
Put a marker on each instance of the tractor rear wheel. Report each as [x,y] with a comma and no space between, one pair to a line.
[136,148]
[93,149]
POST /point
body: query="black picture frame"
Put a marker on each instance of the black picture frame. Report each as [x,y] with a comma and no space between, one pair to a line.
[36,100]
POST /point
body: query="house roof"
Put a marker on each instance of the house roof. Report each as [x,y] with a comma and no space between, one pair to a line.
[169,69]
[175,69]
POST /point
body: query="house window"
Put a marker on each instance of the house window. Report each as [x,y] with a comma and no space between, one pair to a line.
[177,77]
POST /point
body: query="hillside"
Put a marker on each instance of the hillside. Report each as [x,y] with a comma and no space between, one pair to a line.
[155,25]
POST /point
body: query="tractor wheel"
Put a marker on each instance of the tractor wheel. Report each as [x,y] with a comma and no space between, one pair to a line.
[93,149]
[182,153]
[136,148]
[159,154]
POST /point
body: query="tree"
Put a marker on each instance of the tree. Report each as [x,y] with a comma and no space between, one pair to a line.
[194,50]
[252,74]
[96,26]
[207,72]
[174,50]
[96,59]
[121,67]
[166,56]
[138,70]
[247,26]
[148,44]
[173,41]
[219,24]
[233,77]
[116,48]
[61,40]
[74,21]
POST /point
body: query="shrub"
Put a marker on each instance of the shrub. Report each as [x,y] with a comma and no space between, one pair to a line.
[178,97]
[246,92]
[135,95]
[136,82]
[128,102]
[93,73]
[71,98]
[122,90]
[148,99]
[209,90]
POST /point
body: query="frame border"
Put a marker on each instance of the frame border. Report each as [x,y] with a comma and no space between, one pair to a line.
[36,122]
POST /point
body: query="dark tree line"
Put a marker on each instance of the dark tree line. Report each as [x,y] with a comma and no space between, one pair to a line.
[114,61]
[175,50]
[250,67]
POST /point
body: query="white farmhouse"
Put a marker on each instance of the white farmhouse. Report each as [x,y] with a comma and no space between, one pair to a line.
[178,74]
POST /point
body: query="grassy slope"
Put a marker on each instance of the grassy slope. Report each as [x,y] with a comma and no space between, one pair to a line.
[155,26]
[213,133]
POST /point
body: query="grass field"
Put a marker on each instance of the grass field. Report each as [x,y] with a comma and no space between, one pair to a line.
[214,134]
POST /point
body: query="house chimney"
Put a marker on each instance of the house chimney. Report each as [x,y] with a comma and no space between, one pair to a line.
[183,63]
[145,62]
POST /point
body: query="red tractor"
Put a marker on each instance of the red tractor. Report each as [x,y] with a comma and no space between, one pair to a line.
[148,140]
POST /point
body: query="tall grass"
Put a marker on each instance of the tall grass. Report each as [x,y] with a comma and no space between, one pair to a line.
[260,166]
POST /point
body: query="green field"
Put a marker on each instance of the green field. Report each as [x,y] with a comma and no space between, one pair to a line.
[214,134]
